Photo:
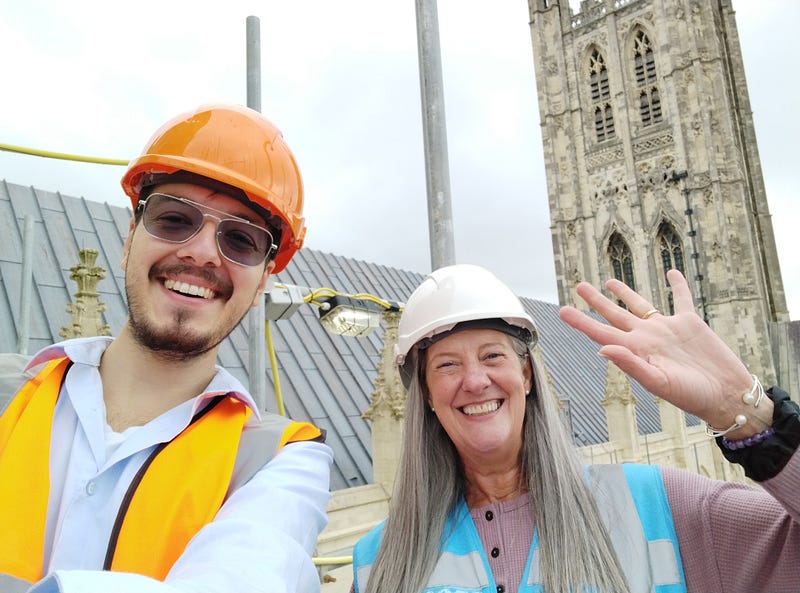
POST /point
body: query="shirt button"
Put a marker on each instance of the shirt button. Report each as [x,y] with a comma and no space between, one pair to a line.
[90,488]
[489,515]
[495,552]
[501,589]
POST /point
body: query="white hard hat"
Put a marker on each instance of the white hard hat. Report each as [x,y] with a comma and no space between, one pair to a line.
[453,295]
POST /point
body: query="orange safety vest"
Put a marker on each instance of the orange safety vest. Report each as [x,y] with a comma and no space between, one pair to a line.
[177,491]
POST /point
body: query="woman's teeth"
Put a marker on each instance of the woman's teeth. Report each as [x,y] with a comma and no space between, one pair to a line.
[484,408]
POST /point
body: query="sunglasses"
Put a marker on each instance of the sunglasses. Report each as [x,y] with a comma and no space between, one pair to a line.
[176,220]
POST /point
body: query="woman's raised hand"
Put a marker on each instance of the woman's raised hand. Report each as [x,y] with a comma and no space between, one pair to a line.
[676,357]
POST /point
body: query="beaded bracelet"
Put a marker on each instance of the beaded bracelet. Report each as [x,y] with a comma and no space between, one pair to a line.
[749,441]
[766,459]
[748,398]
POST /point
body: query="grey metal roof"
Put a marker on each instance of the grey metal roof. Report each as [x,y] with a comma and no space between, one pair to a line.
[325,379]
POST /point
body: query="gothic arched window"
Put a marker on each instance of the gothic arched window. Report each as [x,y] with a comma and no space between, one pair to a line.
[644,69]
[621,260]
[601,97]
[671,251]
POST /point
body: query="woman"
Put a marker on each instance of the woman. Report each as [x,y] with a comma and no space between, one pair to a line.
[490,494]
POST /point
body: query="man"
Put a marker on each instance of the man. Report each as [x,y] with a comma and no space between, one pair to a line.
[136,464]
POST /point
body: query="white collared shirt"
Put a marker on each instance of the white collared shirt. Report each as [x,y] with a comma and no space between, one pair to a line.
[261,540]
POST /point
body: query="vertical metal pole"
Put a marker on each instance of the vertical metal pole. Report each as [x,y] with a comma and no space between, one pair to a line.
[699,297]
[257,333]
[26,287]
[434,129]
[253,63]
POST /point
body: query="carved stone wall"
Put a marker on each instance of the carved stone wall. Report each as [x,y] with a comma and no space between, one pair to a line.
[694,166]
[386,408]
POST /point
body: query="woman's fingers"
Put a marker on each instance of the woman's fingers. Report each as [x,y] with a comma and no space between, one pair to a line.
[647,375]
[637,305]
[610,310]
[599,332]
[681,294]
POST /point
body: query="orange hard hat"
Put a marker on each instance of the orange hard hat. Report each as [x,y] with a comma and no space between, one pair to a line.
[234,145]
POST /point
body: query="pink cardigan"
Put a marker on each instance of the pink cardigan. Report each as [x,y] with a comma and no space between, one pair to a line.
[733,538]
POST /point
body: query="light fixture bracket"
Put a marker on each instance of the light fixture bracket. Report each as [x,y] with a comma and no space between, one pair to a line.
[348,316]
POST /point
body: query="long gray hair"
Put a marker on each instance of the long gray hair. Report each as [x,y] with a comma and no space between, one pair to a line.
[575,548]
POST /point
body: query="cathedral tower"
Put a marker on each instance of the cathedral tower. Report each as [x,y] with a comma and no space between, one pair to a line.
[652,162]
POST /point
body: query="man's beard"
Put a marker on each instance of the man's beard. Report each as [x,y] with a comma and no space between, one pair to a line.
[175,339]
[174,342]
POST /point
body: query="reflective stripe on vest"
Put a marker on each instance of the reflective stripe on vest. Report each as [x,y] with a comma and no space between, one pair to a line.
[461,567]
[632,504]
[634,508]
[167,503]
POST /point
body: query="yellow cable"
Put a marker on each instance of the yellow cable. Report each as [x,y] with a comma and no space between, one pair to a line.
[330,560]
[325,292]
[62,155]
[274,362]
[365,296]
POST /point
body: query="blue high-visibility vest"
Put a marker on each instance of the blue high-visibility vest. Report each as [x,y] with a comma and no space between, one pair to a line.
[633,505]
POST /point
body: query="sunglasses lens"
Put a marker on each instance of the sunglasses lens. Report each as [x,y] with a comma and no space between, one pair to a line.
[170,219]
[176,221]
[243,243]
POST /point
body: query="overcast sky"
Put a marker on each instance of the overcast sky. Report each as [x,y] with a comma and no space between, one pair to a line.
[340,79]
